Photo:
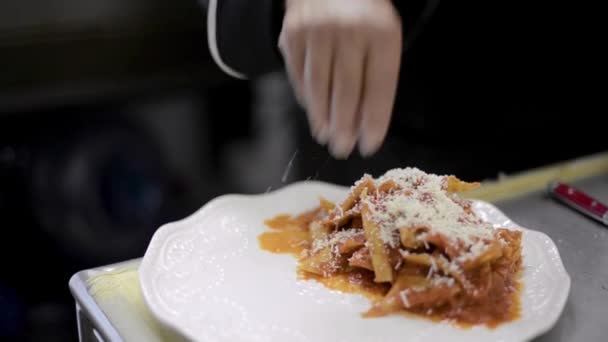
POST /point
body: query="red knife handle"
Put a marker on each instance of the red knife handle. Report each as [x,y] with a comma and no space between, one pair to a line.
[580,201]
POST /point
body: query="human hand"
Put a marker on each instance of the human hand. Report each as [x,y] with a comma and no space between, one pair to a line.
[343,59]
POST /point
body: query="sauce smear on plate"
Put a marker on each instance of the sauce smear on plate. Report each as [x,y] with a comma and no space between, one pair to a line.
[291,235]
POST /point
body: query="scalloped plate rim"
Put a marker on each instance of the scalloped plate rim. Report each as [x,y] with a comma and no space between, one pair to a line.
[163,231]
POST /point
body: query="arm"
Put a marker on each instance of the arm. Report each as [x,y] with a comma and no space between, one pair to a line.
[243,34]
[342,56]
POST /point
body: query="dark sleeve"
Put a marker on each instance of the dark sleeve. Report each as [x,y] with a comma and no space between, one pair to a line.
[415,14]
[243,34]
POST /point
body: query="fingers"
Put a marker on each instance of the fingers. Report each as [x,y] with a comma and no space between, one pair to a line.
[317,82]
[347,85]
[292,45]
[343,63]
[381,78]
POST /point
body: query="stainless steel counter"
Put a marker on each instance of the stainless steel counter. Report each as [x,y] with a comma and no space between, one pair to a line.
[111,306]
[583,246]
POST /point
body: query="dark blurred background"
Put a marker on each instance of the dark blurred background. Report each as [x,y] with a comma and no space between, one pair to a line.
[114,120]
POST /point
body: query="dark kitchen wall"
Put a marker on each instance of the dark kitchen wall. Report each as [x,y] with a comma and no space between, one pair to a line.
[114,120]
[57,52]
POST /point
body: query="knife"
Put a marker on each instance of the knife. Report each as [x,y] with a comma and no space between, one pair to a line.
[580,201]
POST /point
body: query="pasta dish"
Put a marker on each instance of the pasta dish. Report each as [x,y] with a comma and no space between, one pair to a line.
[411,244]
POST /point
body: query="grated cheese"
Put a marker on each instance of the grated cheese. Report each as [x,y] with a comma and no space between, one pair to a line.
[334,239]
[432,269]
[403,296]
[438,281]
[357,183]
[399,262]
[454,268]
[424,202]
[478,248]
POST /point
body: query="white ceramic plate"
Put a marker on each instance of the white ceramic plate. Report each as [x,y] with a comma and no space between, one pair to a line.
[206,277]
